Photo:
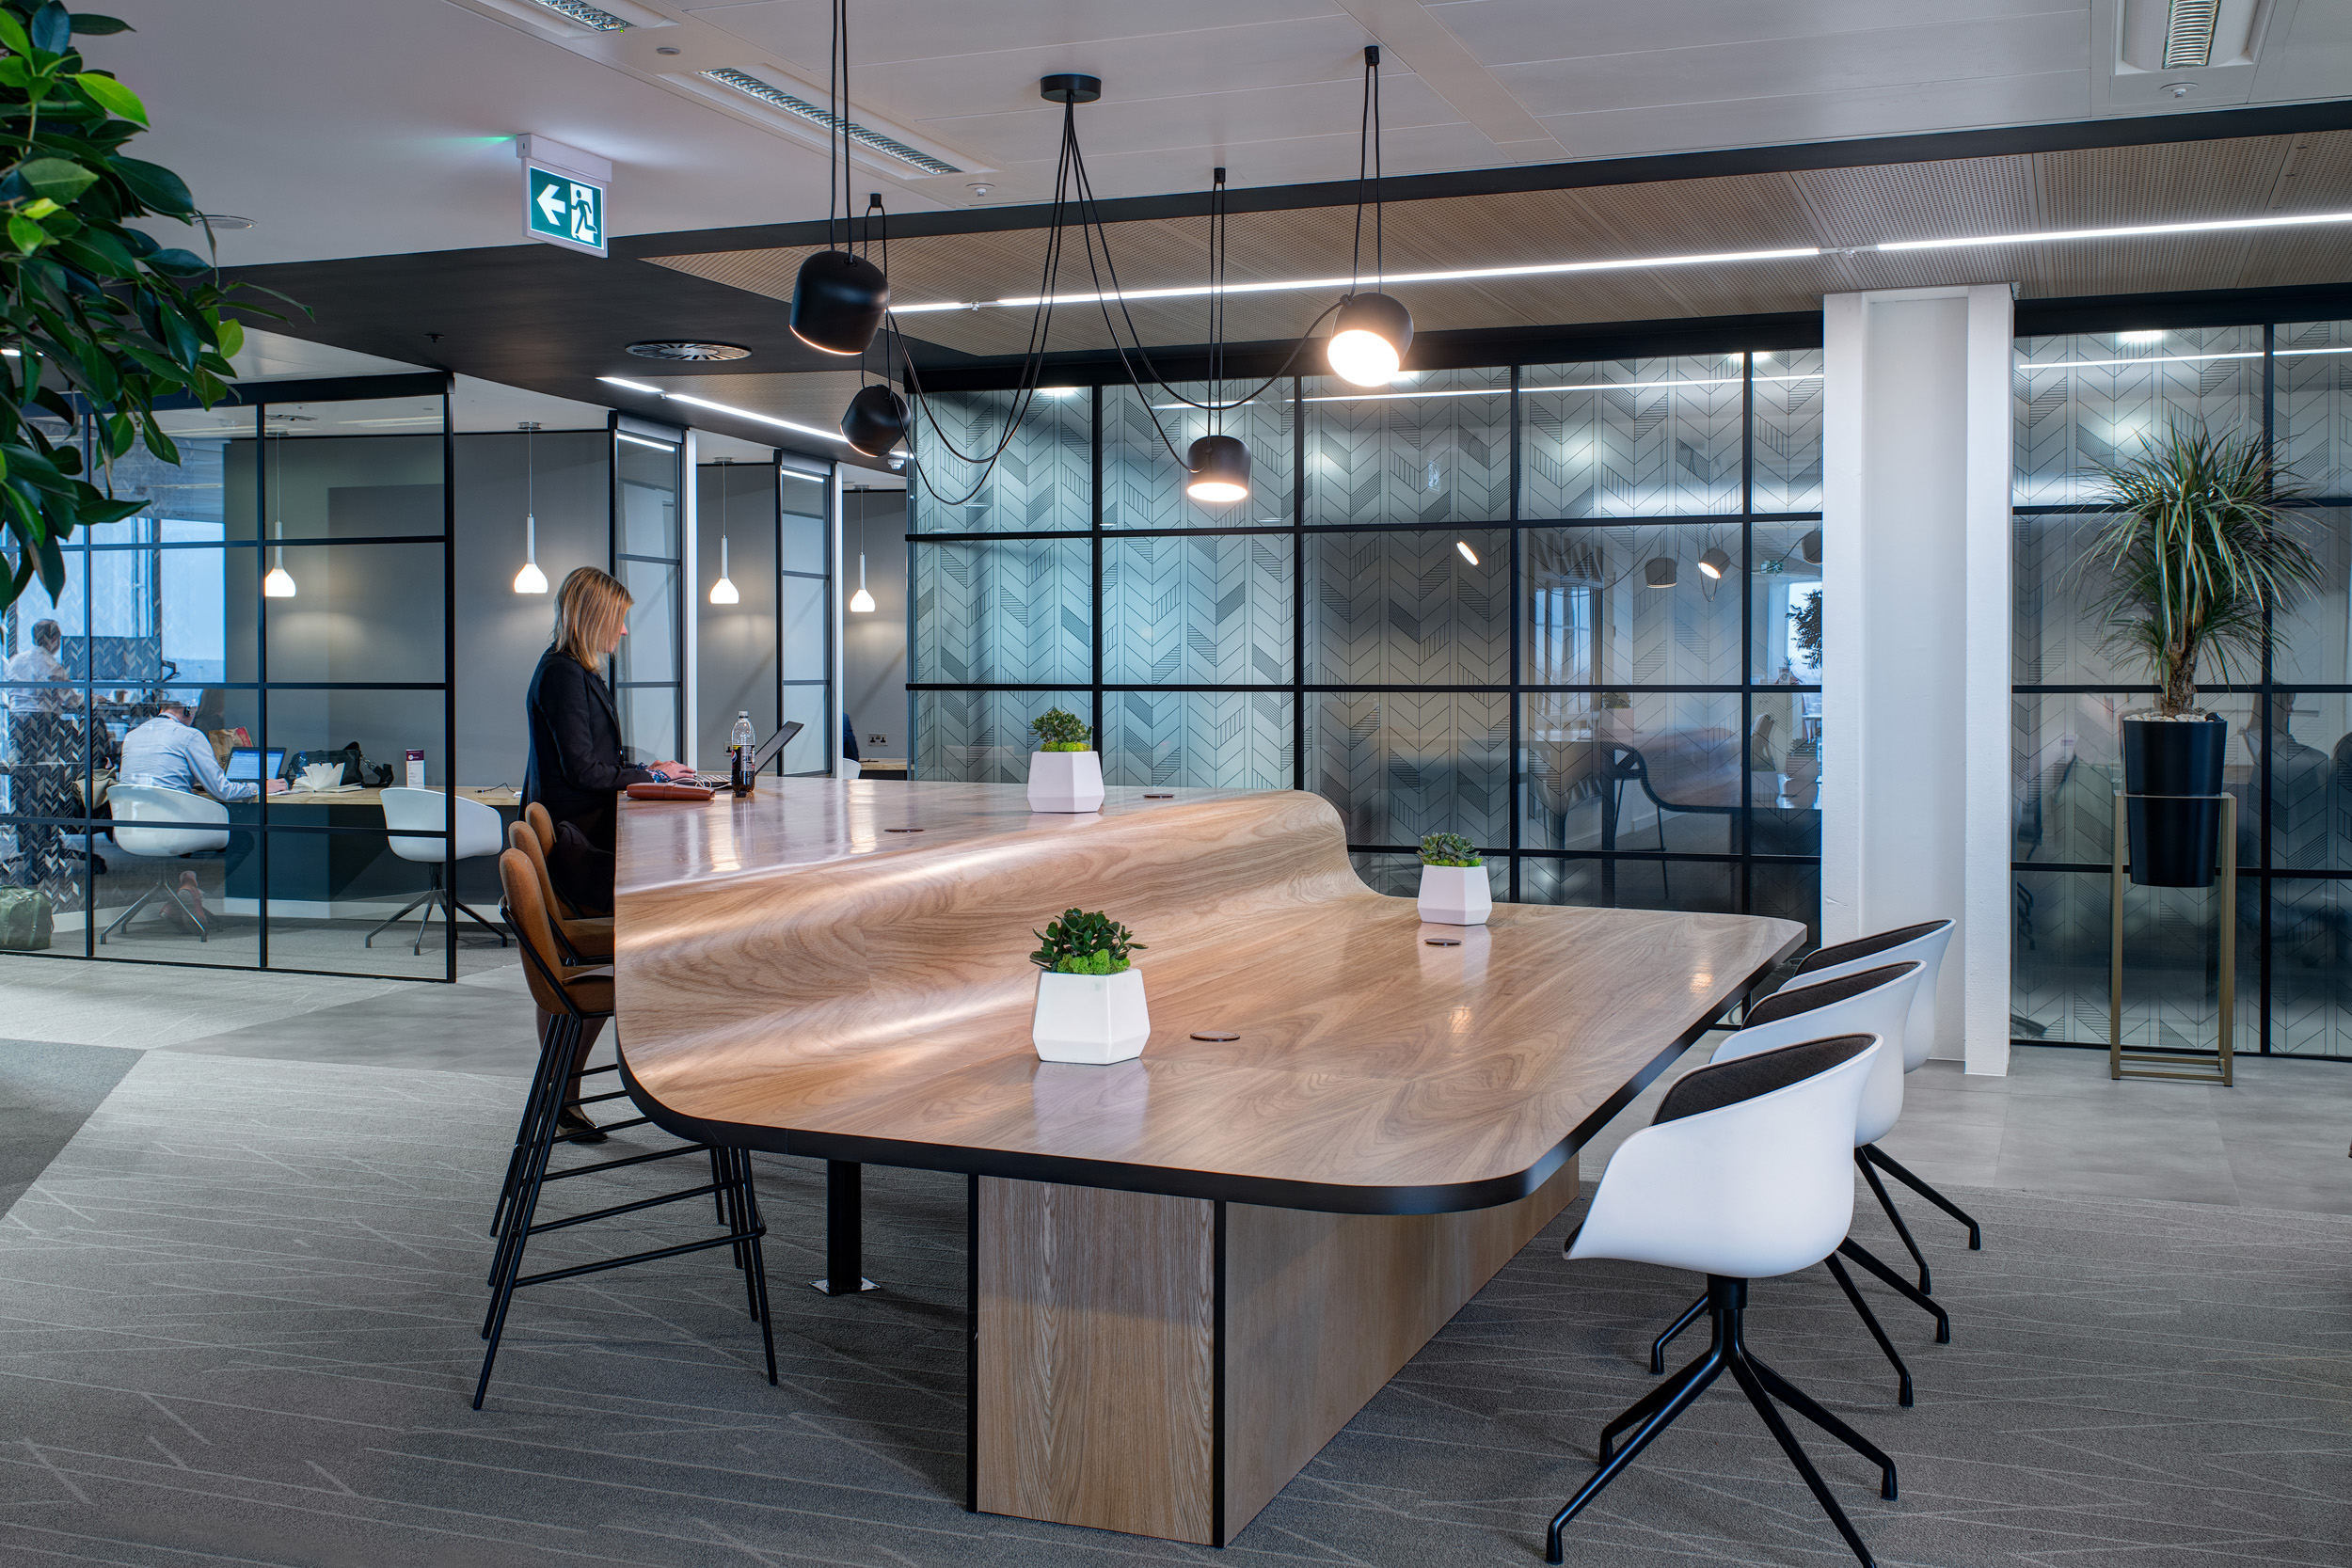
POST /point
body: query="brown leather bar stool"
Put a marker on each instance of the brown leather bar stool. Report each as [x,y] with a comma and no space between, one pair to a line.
[569,998]
[583,939]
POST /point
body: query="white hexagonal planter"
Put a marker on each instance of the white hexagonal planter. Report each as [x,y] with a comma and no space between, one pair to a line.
[1092,1019]
[1065,780]
[1454,895]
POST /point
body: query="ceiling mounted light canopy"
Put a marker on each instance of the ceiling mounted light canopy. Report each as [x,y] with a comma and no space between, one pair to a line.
[840,298]
[1713,563]
[1660,573]
[1372,330]
[876,420]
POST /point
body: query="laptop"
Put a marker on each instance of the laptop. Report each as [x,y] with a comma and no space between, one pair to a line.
[760,759]
[246,765]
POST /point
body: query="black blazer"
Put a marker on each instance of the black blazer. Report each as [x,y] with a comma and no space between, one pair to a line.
[576,769]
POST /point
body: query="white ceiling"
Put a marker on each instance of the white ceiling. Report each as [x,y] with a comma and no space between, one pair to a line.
[373,127]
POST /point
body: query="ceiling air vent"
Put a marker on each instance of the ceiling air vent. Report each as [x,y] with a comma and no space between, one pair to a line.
[2188,36]
[776,98]
[698,353]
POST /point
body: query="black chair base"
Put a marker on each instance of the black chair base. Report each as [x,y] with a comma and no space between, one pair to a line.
[731,1190]
[1903,1395]
[1870,1155]
[1654,1411]
[165,889]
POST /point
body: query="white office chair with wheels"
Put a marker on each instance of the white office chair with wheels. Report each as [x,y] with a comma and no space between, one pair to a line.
[1869,1002]
[1925,943]
[1741,1175]
[419,811]
[167,825]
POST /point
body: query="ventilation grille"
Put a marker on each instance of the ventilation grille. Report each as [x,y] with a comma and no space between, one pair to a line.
[777,98]
[2188,38]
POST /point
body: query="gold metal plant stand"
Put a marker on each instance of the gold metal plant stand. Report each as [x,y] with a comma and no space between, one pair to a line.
[2201,1069]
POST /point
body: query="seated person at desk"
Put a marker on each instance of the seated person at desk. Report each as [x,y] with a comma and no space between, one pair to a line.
[40,663]
[577,768]
[168,752]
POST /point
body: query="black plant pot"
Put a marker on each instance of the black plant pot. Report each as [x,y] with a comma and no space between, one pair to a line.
[2176,830]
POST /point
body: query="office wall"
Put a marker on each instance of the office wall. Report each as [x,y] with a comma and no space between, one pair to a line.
[874,647]
[736,644]
[500,633]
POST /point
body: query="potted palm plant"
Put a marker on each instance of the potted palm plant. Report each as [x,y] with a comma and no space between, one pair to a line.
[1453,889]
[1065,773]
[1089,1000]
[2197,548]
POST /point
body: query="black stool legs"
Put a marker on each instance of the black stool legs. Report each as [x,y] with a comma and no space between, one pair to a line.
[1725,1302]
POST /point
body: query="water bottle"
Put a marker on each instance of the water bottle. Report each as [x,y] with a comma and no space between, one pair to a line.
[742,742]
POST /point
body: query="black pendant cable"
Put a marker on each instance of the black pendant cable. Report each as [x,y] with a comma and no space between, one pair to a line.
[1218,463]
[1374,330]
[876,420]
[840,298]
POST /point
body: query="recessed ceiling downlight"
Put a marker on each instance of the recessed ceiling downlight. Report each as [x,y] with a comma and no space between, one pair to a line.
[585,15]
[678,348]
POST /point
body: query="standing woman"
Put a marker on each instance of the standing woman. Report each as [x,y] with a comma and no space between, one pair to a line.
[577,768]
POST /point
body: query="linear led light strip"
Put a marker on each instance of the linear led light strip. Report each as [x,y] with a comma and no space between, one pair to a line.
[1506,392]
[776,98]
[2174,358]
[730,408]
[1548,269]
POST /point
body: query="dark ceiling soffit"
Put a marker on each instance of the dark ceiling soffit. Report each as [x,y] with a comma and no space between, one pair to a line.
[2010,141]
[2041,318]
[342,388]
[1432,351]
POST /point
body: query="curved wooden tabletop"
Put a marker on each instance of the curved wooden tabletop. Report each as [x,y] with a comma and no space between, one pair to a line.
[794,975]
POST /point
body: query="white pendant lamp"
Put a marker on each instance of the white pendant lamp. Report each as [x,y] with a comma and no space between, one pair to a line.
[530,579]
[279,583]
[861,602]
[1372,330]
[722,591]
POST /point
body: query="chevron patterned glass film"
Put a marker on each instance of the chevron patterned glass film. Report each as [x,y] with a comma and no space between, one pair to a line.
[998,613]
[1650,773]
[1632,884]
[1436,448]
[1196,609]
[2308,641]
[1043,484]
[1409,608]
[2314,405]
[2086,399]
[1143,485]
[1635,438]
[2171,953]
[1399,765]
[1593,617]
[1225,739]
[982,736]
[1788,431]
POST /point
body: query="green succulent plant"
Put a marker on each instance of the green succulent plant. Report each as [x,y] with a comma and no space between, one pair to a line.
[1448,850]
[1060,730]
[1082,944]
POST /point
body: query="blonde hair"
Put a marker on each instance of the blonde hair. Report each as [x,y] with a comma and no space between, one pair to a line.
[589,607]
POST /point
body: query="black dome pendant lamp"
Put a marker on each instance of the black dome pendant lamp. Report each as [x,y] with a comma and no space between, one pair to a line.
[1217,464]
[840,298]
[876,420]
[1372,330]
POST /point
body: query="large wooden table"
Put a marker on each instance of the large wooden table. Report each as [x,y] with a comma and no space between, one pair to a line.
[1190,1270]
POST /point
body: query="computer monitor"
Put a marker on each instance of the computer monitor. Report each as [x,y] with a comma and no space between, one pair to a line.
[246,765]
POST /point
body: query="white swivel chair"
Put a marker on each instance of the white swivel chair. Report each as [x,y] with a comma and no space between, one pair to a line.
[419,811]
[1925,943]
[1869,1002]
[1741,1175]
[167,825]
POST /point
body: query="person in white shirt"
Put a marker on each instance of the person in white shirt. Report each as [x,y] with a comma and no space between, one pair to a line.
[40,663]
[168,752]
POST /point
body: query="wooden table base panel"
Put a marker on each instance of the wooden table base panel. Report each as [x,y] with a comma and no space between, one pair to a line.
[1105,1394]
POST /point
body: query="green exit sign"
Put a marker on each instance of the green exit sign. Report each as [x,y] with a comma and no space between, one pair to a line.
[564,208]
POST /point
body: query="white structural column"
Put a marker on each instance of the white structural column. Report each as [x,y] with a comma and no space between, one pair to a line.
[1918,444]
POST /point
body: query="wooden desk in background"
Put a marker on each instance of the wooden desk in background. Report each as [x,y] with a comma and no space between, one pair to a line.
[1190,1270]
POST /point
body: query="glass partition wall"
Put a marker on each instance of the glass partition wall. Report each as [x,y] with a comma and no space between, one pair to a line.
[1558,609]
[649,558]
[281,599]
[2088,398]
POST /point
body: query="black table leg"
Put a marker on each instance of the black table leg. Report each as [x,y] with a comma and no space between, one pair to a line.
[844,1228]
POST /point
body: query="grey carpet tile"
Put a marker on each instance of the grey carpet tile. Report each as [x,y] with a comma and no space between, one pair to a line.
[47,1090]
[239,1315]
